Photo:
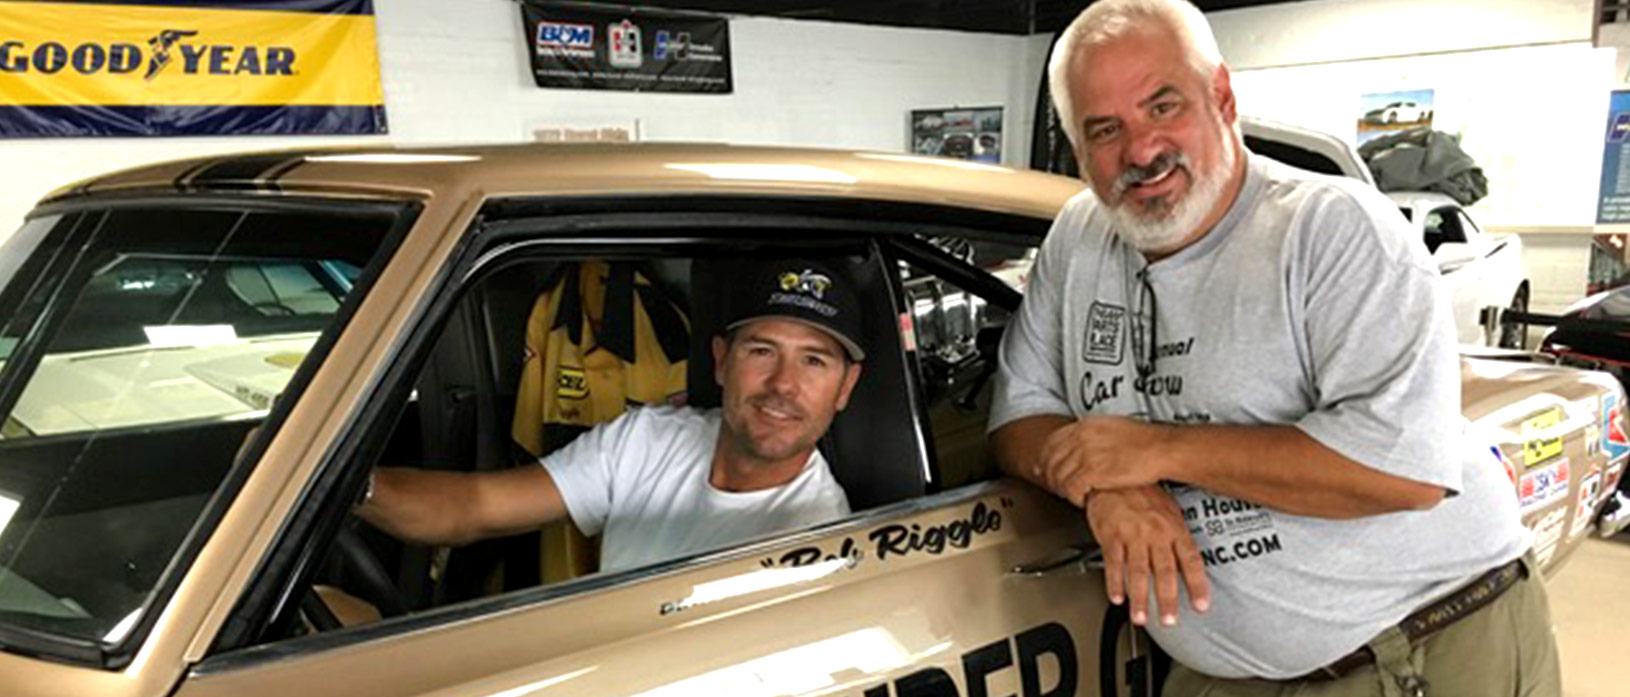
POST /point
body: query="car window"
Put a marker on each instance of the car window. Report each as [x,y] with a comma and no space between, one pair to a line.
[504,382]
[1444,224]
[143,343]
[1305,158]
[160,338]
[1467,227]
[957,335]
[19,248]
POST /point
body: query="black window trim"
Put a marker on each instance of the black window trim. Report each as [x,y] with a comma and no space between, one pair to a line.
[581,226]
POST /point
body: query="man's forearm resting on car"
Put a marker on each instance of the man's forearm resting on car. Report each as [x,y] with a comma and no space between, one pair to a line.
[452,508]
[1275,466]
[1110,466]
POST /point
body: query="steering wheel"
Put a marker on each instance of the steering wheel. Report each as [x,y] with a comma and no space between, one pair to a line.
[360,562]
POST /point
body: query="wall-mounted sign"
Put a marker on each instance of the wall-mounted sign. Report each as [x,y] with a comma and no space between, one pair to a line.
[1390,112]
[615,48]
[197,68]
[585,130]
[1613,204]
[965,134]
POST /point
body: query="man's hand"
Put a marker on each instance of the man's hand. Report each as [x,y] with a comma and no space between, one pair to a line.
[1142,533]
[1100,452]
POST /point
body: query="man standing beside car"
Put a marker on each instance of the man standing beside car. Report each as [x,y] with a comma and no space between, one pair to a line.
[1246,375]
[663,482]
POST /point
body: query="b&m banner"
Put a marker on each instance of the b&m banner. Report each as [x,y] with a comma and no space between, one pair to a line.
[635,49]
[177,67]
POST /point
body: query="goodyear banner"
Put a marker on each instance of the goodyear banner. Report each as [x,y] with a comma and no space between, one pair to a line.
[617,48]
[157,68]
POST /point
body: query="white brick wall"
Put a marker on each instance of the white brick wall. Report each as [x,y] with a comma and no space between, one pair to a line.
[1518,79]
[456,72]
[1327,31]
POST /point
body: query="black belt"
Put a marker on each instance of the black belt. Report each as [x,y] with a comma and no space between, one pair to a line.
[1428,620]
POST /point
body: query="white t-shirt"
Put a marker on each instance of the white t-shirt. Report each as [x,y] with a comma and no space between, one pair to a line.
[641,481]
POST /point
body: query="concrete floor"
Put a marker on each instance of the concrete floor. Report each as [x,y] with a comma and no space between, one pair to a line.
[1590,604]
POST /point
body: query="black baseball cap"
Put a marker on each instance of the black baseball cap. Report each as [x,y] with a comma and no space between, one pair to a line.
[802,291]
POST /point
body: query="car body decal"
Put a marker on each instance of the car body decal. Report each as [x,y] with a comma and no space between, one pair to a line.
[1544,486]
[1540,442]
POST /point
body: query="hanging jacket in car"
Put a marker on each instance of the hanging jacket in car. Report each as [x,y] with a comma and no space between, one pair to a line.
[600,337]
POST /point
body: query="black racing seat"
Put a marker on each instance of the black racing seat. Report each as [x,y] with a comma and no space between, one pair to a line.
[874,446]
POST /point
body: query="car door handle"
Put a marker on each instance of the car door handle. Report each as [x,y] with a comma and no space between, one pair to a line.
[1073,559]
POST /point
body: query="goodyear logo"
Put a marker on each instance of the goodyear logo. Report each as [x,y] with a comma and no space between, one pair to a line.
[806,282]
[566,38]
[170,47]
[571,383]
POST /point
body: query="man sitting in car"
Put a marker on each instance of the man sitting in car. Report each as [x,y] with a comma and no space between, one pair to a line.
[662,482]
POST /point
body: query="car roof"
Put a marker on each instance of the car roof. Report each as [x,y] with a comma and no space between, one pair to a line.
[1295,143]
[599,169]
[1421,200]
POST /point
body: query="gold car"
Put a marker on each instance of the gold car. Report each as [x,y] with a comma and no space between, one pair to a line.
[203,360]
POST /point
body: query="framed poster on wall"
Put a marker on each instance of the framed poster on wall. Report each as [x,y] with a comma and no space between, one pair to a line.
[1613,201]
[963,133]
[1383,113]
[611,47]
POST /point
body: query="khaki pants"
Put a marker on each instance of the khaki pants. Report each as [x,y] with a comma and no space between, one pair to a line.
[1506,649]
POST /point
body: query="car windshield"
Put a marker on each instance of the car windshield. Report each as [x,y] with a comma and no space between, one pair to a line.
[139,346]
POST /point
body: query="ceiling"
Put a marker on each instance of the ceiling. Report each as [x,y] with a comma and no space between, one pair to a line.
[995,16]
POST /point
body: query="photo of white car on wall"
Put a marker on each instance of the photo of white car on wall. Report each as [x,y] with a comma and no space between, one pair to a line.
[1388,112]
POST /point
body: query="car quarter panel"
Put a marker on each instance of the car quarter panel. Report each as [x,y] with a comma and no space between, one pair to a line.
[915,599]
[1552,426]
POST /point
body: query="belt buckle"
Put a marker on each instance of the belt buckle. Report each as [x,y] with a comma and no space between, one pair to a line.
[1413,685]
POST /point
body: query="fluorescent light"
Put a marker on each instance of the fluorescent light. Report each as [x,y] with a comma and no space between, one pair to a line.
[190,335]
[392,158]
[791,173]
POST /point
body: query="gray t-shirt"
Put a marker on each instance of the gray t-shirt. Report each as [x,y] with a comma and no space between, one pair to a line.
[1309,304]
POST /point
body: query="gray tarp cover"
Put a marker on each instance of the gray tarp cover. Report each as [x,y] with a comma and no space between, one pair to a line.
[1425,160]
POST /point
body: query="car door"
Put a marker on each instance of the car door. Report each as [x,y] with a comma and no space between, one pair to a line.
[969,587]
[1457,260]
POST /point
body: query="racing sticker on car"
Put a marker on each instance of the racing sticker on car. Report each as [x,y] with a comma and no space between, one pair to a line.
[1505,463]
[1228,529]
[897,540]
[1615,442]
[1539,440]
[1547,533]
[1544,486]
[1590,488]
[1028,651]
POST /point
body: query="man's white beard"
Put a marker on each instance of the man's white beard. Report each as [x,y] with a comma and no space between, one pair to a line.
[1154,232]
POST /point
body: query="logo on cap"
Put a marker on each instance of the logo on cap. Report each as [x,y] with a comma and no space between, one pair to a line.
[807,282]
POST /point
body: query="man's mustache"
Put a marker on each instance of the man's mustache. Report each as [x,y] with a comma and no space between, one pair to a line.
[780,404]
[1157,168]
